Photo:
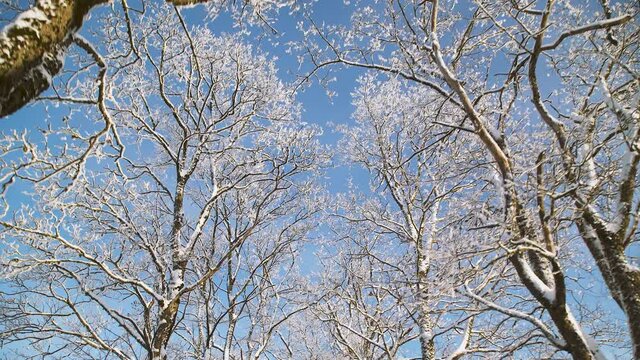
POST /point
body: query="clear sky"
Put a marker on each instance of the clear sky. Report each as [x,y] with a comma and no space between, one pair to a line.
[318,108]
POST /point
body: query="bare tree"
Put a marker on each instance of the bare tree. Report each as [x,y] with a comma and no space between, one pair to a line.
[35,43]
[424,231]
[401,150]
[244,312]
[170,193]
[214,158]
[365,308]
[485,63]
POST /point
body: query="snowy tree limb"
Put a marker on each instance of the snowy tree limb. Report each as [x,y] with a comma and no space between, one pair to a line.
[33,48]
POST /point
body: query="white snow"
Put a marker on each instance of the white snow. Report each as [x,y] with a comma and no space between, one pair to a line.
[27,20]
[548,293]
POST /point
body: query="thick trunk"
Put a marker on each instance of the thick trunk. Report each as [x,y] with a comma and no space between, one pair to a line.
[576,342]
[33,48]
[624,285]
[165,329]
[629,289]
[577,345]
[549,274]
[168,314]
[544,278]
[606,246]
[622,279]
[427,345]
[232,310]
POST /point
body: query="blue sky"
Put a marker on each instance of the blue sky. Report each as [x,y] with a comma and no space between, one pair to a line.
[318,107]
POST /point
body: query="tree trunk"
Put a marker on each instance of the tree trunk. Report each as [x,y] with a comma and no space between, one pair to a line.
[628,280]
[427,346]
[229,338]
[33,48]
[576,342]
[621,278]
[165,329]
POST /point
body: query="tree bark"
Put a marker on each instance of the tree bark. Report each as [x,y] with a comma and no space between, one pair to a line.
[577,343]
[168,314]
[621,278]
[427,345]
[33,48]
